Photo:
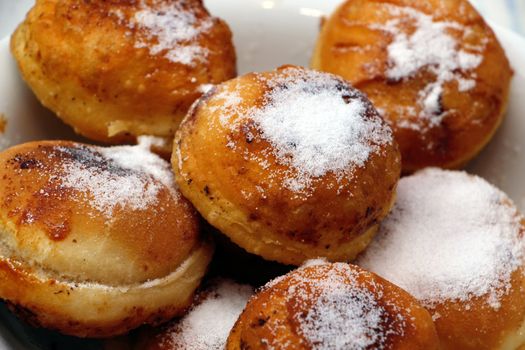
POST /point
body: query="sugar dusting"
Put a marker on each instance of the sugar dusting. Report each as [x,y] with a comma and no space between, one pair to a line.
[450,236]
[315,123]
[171,29]
[152,142]
[208,324]
[337,312]
[430,46]
[123,176]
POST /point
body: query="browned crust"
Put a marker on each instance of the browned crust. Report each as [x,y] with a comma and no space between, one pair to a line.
[82,63]
[337,220]
[98,311]
[47,223]
[269,316]
[346,46]
[66,266]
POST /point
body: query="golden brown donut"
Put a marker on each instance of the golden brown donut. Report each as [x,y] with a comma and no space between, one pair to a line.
[456,244]
[333,307]
[95,241]
[434,69]
[207,324]
[115,70]
[290,164]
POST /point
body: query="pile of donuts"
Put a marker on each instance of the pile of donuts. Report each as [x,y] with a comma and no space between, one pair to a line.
[292,176]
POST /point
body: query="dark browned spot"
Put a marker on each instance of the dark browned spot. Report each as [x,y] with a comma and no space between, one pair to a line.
[24,162]
[261,321]
[29,164]
[89,157]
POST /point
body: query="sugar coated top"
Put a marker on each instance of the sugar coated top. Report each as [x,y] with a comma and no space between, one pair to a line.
[170,29]
[209,322]
[315,122]
[450,237]
[432,45]
[124,176]
[340,307]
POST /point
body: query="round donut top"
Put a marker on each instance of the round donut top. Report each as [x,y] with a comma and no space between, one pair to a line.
[166,28]
[130,177]
[315,123]
[420,43]
[339,306]
[430,46]
[450,237]
[69,208]
[98,181]
[209,322]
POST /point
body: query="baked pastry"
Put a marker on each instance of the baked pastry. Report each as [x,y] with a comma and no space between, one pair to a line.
[333,306]
[433,69]
[95,241]
[208,323]
[115,70]
[290,164]
[456,243]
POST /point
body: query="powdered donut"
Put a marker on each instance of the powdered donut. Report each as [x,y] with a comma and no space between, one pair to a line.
[95,241]
[455,243]
[116,70]
[433,69]
[290,164]
[333,307]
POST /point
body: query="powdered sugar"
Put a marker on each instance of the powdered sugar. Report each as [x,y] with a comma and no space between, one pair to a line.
[171,29]
[205,88]
[187,54]
[208,324]
[123,176]
[450,236]
[430,46]
[152,142]
[336,312]
[315,123]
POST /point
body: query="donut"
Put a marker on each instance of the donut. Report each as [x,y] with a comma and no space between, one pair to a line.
[455,243]
[208,323]
[290,164]
[333,306]
[433,69]
[95,241]
[116,70]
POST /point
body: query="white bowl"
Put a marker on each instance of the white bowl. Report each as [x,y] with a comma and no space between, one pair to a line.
[270,33]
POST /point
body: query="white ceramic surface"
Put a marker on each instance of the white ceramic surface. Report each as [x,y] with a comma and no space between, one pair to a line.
[269,33]
[11,13]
